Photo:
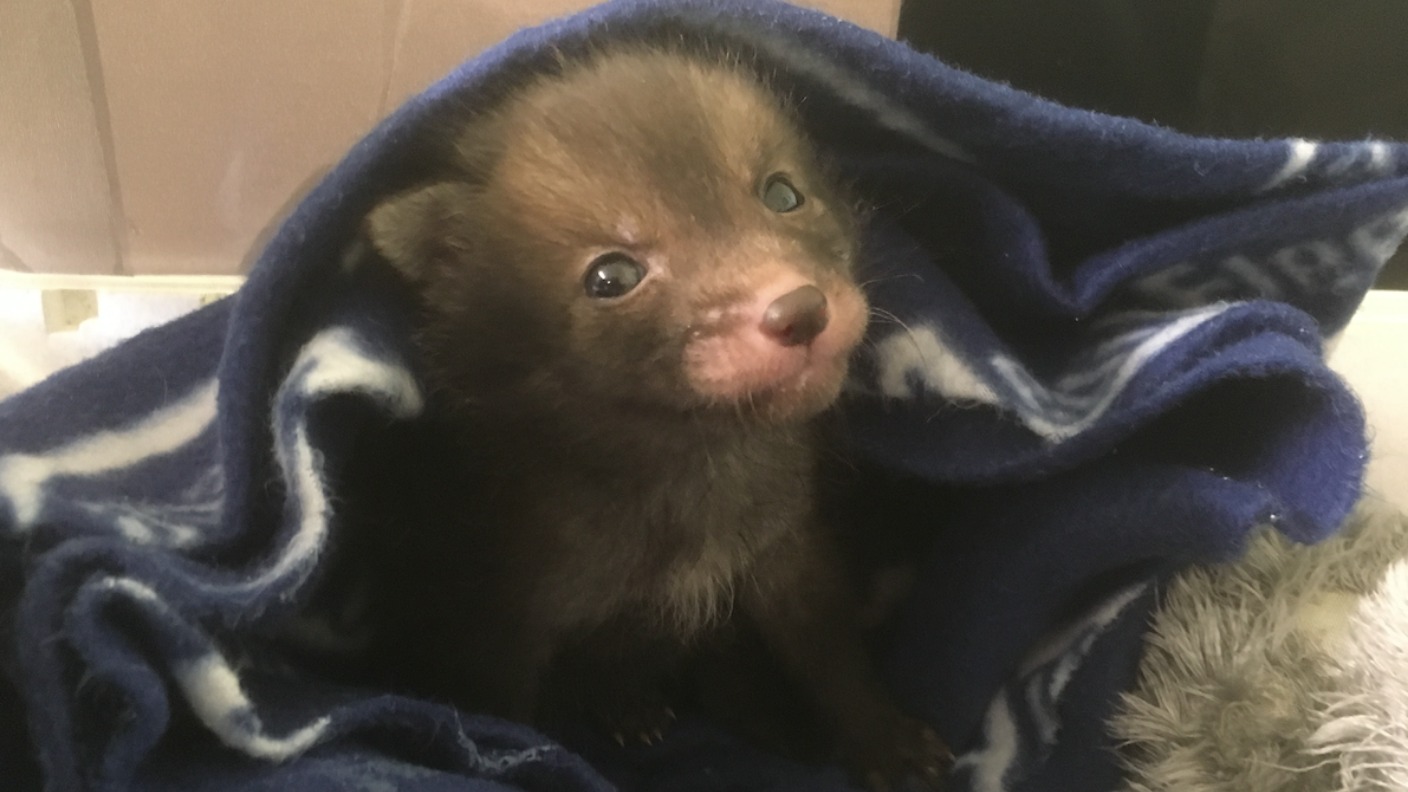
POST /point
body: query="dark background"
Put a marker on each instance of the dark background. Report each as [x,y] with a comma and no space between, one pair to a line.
[1318,69]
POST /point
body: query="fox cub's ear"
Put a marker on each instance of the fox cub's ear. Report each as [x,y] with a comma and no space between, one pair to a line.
[415,229]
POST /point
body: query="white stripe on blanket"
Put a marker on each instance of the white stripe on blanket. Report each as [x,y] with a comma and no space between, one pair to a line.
[216,696]
[23,476]
[1047,671]
[334,361]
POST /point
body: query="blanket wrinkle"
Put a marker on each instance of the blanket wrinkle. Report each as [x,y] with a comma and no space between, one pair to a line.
[1098,356]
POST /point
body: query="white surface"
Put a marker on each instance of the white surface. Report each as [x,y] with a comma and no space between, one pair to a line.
[1372,354]
[28,352]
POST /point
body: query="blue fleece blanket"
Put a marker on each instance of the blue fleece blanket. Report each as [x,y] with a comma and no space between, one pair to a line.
[1105,357]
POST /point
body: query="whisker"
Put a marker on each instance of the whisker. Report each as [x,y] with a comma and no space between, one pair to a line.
[881,313]
[708,457]
[884,278]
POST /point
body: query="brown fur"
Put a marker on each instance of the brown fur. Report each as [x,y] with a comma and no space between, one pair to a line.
[591,511]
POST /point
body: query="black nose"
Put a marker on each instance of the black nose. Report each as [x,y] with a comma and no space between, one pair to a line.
[796,317]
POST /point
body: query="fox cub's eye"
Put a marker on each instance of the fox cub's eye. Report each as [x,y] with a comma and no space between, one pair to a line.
[613,275]
[779,195]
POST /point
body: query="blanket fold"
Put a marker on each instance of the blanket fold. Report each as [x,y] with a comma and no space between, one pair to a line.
[1097,358]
